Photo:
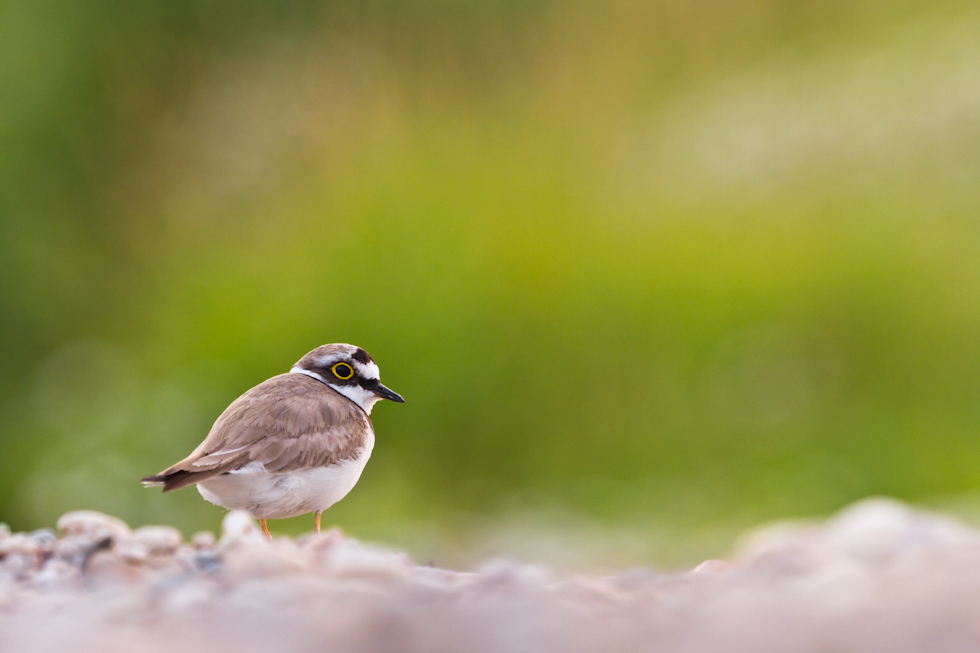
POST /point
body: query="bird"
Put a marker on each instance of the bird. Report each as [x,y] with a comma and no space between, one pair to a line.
[294,444]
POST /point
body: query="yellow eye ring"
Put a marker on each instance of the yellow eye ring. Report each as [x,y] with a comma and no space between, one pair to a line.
[342,371]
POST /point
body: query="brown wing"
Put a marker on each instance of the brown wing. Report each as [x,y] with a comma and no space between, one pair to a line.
[289,422]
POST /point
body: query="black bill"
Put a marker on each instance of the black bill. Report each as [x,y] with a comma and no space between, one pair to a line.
[385,393]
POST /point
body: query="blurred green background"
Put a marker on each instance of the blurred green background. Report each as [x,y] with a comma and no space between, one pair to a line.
[647,273]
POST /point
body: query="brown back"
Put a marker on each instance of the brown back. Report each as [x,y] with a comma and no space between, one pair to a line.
[289,422]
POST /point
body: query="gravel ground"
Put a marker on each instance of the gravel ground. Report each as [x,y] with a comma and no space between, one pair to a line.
[876,577]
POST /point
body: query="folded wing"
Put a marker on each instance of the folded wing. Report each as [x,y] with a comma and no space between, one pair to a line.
[286,423]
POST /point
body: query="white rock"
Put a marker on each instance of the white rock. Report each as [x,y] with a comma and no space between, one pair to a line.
[92,524]
[19,544]
[239,529]
[158,540]
[131,551]
[203,540]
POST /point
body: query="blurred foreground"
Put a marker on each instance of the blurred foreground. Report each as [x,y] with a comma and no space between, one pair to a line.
[877,577]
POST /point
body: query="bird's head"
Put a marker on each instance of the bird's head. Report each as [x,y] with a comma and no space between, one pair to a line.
[350,371]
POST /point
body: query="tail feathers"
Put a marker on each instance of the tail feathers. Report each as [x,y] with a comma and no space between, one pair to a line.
[174,480]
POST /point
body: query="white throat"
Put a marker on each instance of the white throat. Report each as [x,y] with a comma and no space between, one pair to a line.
[363,398]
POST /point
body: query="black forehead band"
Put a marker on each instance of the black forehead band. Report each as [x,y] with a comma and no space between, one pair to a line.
[362,357]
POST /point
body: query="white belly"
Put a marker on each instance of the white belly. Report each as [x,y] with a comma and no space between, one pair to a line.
[270,495]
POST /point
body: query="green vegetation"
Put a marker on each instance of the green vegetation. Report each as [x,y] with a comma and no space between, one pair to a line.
[662,269]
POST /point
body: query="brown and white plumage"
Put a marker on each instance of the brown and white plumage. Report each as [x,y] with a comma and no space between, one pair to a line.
[294,444]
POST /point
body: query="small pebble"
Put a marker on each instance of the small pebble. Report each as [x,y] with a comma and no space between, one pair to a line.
[158,540]
[239,529]
[109,568]
[55,575]
[207,561]
[45,537]
[132,551]
[20,566]
[92,524]
[203,540]
[19,544]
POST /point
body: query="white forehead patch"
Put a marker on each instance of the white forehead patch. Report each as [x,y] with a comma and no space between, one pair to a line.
[369,371]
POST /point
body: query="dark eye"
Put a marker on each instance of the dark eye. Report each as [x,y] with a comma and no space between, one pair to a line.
[342,371]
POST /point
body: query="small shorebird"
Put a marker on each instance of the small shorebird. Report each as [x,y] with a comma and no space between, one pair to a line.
[291,445]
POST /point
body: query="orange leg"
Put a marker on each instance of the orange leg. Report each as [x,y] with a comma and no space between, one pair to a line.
[265,530]
[316,522]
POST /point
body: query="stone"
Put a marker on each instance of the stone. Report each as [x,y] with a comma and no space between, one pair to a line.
[56,574]
[132,551]
[92,525]
[203,540]
[20,544]
[109,569]
[45,537]
[239,529]
[158,540]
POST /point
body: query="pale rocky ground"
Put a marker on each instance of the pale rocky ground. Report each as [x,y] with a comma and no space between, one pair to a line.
[876,577]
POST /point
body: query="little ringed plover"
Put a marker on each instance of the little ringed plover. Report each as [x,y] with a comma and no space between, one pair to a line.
[291,445]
